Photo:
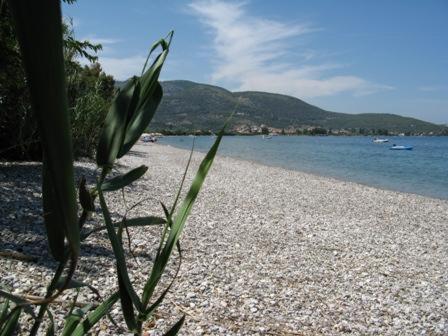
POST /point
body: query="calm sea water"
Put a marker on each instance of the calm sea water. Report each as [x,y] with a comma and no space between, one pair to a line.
[423,170]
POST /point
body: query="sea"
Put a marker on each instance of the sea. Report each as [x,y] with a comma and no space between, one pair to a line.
[423,170]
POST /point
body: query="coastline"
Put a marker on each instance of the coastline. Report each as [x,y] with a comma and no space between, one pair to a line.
[348,159]
[271,251]
[305,233]
[312,174]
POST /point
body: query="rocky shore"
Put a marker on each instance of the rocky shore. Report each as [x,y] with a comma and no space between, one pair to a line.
[266,251]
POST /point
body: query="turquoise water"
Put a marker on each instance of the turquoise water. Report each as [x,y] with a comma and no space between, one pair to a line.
[423,170]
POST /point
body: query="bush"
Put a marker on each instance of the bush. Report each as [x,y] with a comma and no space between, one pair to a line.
[130,113]
[18,138]
[89,90]
[90,94]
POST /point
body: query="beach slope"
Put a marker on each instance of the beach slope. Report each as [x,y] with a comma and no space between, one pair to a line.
[274,250]
[271,251]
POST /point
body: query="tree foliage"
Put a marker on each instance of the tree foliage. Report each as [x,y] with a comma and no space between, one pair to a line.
[40,35]
[89,90]
[17,127]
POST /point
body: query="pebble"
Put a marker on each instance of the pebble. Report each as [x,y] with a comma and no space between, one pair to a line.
[265,250]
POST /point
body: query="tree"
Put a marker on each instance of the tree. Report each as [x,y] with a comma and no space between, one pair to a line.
[17,126]
[90,92]
[318,131]
[126,121]
[264,130]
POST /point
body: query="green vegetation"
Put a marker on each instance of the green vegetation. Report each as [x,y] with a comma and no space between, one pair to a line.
[90,93]
[40,30]
[188,107]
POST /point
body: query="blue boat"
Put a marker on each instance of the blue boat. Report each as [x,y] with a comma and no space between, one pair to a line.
[400,147]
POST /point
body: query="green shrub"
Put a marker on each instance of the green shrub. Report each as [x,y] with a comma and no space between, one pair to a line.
[39,27]
[90,93]
[87,116]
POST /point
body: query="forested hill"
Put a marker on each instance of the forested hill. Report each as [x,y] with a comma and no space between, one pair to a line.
[192,106]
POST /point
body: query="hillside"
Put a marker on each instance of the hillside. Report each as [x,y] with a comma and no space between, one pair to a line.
[192,106]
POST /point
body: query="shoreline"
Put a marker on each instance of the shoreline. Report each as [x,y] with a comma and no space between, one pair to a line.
[315,175]
[317,231]
[266,250]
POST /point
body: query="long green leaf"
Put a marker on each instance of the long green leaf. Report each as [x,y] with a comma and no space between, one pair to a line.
[73,319]
[118,252]
[52,215]
[50,289]
[160,299]
[122,181]
[141,120]
[85,197]
[164,43]
[150,97]
[71,322]
[133,222]
[18,301]
[180,219]
[92,318]
[144,221]
[11,322]
[112,135]
[4,312]
[39,31]
[50,329]
[179,191]
[127,307]
[175,328]
[150,77]
[75,284]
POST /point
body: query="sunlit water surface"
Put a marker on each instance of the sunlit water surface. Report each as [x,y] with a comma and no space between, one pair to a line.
[424,170]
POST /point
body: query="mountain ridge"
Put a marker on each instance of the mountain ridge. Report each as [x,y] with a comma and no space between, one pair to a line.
[188,106]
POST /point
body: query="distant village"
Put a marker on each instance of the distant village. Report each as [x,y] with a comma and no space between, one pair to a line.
[246,129]
[313,130]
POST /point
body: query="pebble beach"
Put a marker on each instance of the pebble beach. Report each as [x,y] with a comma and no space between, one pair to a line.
[266,251]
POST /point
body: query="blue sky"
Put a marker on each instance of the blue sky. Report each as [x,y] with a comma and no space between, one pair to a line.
[344,56]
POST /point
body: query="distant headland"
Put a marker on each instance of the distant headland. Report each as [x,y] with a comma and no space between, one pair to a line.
[193,108]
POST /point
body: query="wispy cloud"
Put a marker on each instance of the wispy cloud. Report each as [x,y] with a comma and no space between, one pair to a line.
[121,68]
[101,40]
[76,22]
[434,88]
[107,43]
[252,53]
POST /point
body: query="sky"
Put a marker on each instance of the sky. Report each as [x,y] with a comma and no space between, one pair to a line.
[350,56]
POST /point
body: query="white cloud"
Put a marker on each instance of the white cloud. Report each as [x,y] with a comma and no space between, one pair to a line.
[251,54]
[121,68]
[101,40]
[107,43]
[76,22]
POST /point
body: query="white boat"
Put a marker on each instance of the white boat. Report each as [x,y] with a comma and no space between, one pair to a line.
[400,147]
[148,138]
[267,136]
[377,140]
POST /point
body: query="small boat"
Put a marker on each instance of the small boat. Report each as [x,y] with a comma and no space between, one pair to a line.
[400,147]
[267,136]
[377,140]
[149,138]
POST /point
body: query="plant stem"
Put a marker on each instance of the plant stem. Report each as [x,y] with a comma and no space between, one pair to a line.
[43,308]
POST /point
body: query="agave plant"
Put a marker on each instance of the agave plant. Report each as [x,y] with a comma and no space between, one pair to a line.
[38,26]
